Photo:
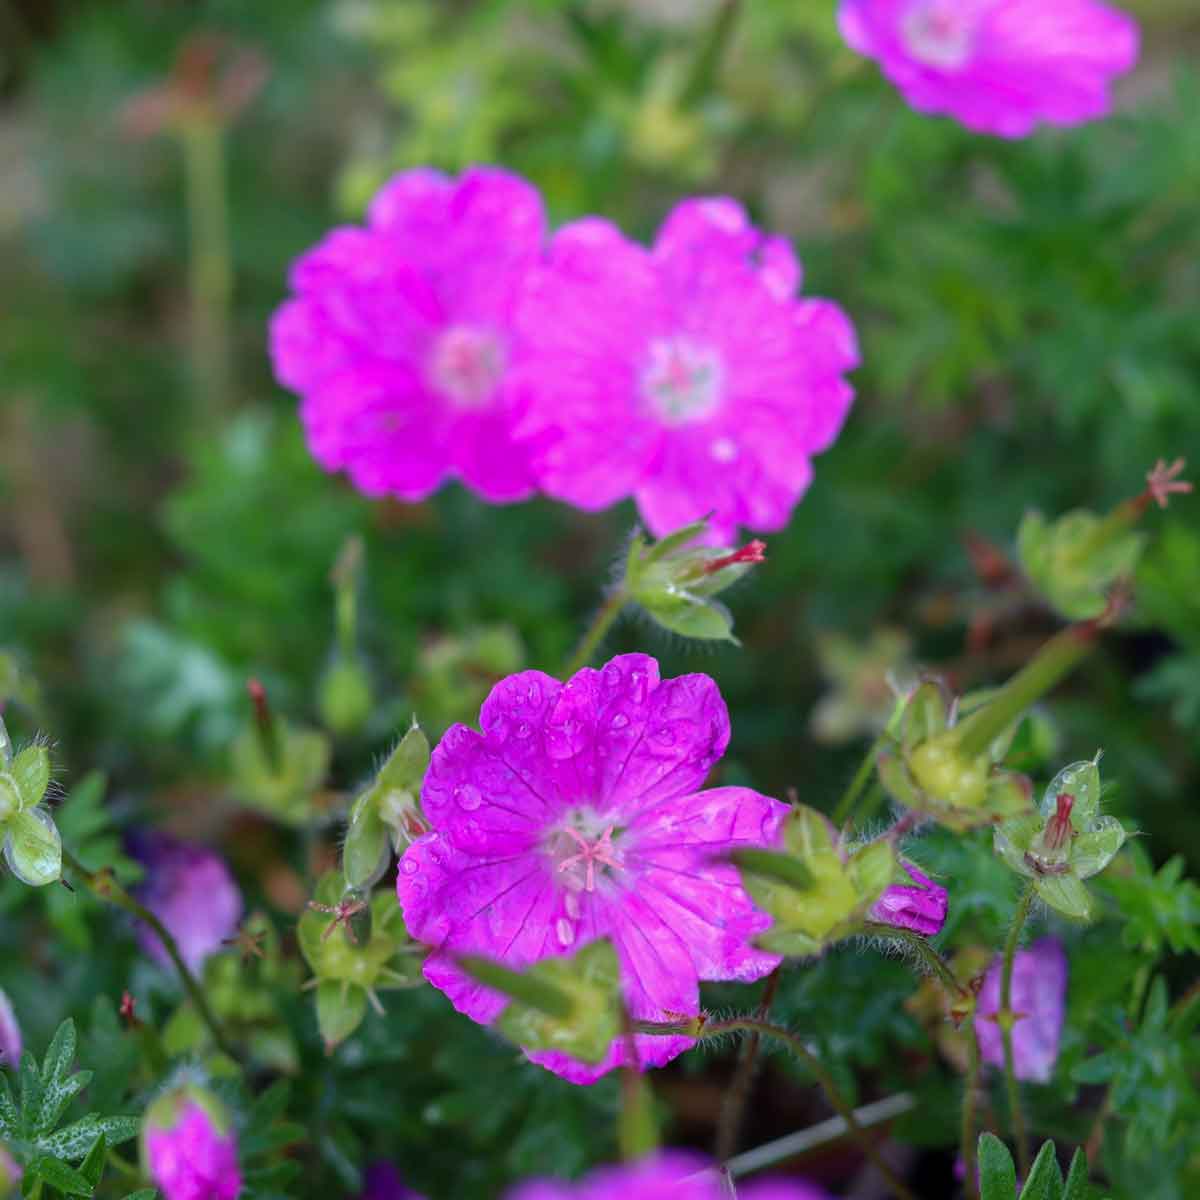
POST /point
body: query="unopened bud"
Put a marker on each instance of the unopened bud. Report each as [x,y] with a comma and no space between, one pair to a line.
[344,698]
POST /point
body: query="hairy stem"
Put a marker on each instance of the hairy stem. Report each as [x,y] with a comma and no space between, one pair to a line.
[930,958]
[796,1045]
[104,887]
[734,1108]
[970,1094]
[602,622]
[1006,1016]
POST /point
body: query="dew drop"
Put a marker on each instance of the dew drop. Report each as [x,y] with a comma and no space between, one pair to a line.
[409,866]
[468,797]
[620,721]
[524,730]
[565,930]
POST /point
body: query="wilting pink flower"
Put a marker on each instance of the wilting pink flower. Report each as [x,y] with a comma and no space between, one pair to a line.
[672,1174]
[400,337]
[190,890]
[10,1035]
[998,66]
[577,814]
[382,1181]
[920,906]
[1039,994]
[191,1151]
[688,375]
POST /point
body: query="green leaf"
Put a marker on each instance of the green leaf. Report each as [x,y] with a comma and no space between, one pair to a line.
[9,1116]
[997,1173]
[74,1141]
[1077,1178]
[92,1166]
[143,1194]
[59,1175]
[1045,1180]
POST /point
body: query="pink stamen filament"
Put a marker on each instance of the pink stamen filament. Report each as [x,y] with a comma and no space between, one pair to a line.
[591,853]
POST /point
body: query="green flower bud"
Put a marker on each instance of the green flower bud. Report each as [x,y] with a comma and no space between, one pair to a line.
[817,888]
[677,583]
[387,809]
[568,1004]
[1074,561]
[344,698]
[32,847]
[1065,842]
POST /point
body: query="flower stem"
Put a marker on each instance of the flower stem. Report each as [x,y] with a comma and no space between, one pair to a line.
[866,769]
[734,1107]
[602,622]
[932,960]
[1010,1075]
[1056,659]
[970,1094]
[796,1045]
[104,887]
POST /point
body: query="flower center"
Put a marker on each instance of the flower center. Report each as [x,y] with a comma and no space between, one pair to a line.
[466,364]
[941,33]
[582,851]
[681,381]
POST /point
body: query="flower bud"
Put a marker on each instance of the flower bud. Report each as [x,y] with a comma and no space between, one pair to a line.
[344,697]
[10,1035]
[831,895]
[676,583]
[10,1174]
[1065,842]
[33,848]
[915,903]
[189,1147]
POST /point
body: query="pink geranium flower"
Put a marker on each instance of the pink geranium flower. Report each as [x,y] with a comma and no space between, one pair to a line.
[998,66]
[400,337]
[1039,995]
[192,1154]
[920,906]
[687,375]
[672,1174]
[577,814]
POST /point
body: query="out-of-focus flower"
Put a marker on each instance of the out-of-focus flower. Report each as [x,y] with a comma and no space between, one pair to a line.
[688,375]
[1065,842]
[10,1174]
[576,815]
[382,1181]
[998,66]
[671,1174]
[1038,1002]
[919,905]
[10,1035]
[190,890]
[190,1148]
[211,81]
[400,337]
[864,681]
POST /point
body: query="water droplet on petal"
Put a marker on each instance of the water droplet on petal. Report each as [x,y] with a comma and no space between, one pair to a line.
[524,730]
[468,797]
[619,721]
[565,930]
[409,866]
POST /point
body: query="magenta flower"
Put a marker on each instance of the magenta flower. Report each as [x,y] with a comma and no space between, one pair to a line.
[673,1174]
[998,66]
[400,337]
[577,814]
[1039,993]
[10,1173]
[191,1152]
[10,1035]
[688,376]
[190,890]
[382,1181]
[920,906]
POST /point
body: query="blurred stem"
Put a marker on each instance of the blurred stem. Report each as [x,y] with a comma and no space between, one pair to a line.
[1052,663]
[971,1086]
[637,1129]
[863,776]
[1006,1027]
[210,269]
[712,50]
[103,886]
[734,1108]
[935,963]
[602,622]
[796,1045]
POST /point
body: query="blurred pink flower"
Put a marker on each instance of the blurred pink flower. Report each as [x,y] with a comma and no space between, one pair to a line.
[10,1035]
[382,1181]
[1039,994]
[672,1175]
[920,906]
[575,815]
[400,338]
[190,890]
[687,375]
[998,66]
[190,1157]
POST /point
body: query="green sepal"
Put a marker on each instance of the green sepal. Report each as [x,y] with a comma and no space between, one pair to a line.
[33,848]
[1066,895]
[341,1008]
[30,771]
